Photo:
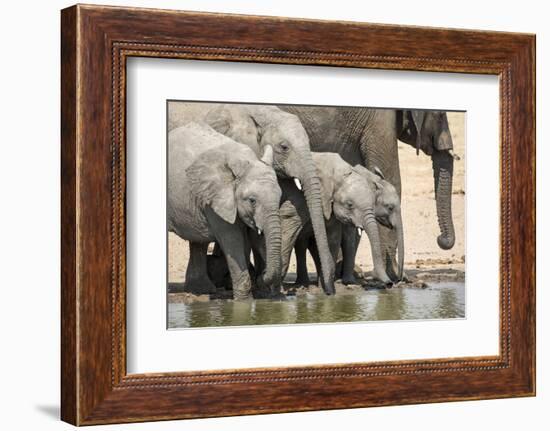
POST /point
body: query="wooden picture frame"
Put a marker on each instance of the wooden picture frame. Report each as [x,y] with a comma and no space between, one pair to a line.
[95,43]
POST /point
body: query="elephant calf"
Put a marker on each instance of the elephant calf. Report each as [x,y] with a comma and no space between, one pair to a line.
[387,212]
[216,188]
[345,205]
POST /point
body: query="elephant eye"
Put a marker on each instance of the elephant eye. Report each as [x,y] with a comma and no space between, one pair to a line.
[349,205]
[283,146]
[390,207]
[252,200]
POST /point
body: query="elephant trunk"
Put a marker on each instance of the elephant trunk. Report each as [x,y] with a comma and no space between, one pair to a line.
[312,192]
[272,232]
[371,228]
[442,164]
[400,247]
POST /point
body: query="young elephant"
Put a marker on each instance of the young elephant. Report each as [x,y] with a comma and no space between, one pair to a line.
[387,213]
[217,187]
[344,204]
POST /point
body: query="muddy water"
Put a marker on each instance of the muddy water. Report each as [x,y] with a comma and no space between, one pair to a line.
[444,300]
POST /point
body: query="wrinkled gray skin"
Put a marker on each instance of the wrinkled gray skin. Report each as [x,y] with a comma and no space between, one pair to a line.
[387,211]
[216,189]
[345,203]
[369,137]
[259,126]
[429,131]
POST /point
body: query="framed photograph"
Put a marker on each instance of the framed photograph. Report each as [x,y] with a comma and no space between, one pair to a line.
[265,214]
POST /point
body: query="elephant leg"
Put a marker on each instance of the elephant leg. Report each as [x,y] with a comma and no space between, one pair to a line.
[288,242]
[334,234]
[196,277]
[233,243]
[216,250]
[256,245]
[350,243]
[300,248]
[259,262]
[248,251]
[312,247]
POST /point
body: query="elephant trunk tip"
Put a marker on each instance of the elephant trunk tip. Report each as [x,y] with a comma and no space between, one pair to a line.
[446,242]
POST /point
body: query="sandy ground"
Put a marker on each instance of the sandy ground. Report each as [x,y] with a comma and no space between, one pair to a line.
[418,211]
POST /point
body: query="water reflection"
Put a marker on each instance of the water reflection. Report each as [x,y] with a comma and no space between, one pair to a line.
[439,301]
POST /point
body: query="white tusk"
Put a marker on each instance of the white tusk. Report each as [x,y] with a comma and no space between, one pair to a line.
[453,155]
[359,231]
[298,183]
[259,231]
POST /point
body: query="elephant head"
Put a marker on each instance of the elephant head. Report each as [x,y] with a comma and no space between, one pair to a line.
[259,126]
[343,193]
[235,183]
[387,208]
[429,131]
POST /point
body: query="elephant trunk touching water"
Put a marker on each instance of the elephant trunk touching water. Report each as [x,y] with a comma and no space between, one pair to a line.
[312,193]
[272,235]
[369,224]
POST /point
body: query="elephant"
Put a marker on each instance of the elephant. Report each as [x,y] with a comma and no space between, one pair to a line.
[387,211]
[345,203]
[258,126]
[217,190]
[368,136]
[429,131]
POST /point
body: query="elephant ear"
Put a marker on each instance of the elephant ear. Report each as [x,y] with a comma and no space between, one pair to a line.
[259,129]
[214,185]
[373,178]
[219,119]
[364,172]
[418,119]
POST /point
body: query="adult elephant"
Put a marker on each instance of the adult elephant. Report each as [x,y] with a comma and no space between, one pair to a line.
[259,126]
[429,131]
[369,137]
[216,187]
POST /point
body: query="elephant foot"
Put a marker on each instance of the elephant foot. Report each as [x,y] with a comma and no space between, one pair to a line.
[277,296]
[302,280]
[261,294]
[263,290]
[199,286]
[358,272]
[348,279]
[382,276]
[339,269]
